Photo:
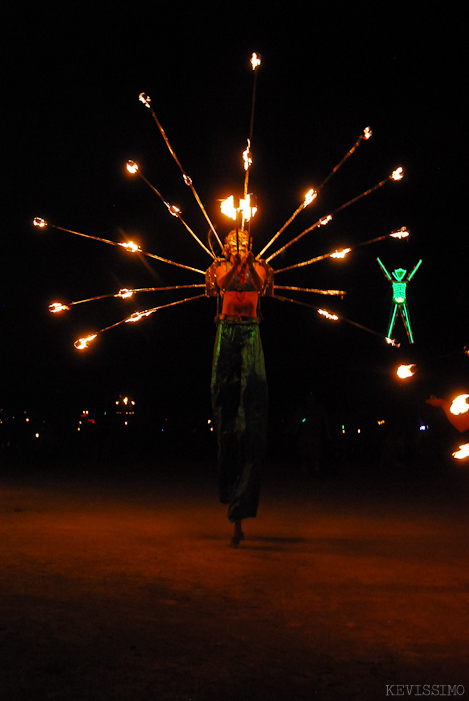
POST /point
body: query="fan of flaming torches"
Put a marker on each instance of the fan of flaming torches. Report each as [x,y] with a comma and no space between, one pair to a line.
[241,210]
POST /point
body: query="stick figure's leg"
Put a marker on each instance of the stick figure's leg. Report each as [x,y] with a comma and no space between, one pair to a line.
[393,320]
[405,318]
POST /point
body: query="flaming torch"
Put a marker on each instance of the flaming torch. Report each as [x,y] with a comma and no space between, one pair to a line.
[460,405]
[83,343]
[405,371]
[462,453]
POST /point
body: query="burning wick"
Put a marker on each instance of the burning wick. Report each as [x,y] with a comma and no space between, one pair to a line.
[130,246]
[132,167]
[40,223]
[255,61]
[460,405]
[398,174]
[247,158]
[124,293]
[145,99]
[83,342]
[401,234]
[341,254]
[58,307]
[328,315]
[462,453]
[405,371]
[136,316]
[310,197]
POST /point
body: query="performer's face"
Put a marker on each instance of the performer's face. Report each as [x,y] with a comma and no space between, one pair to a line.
[241,246]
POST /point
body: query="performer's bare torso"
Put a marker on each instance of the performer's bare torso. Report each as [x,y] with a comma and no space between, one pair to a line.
[240,302]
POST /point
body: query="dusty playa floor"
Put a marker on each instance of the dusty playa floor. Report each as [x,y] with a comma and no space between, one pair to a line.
[127,589]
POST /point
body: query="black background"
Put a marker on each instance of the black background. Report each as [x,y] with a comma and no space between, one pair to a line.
[72,75]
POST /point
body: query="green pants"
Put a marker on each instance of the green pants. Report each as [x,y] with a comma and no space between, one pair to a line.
[239,403]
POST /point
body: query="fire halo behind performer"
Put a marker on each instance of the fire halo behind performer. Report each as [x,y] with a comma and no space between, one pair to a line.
[239,385]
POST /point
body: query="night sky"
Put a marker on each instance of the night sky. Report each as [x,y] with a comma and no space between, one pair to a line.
[71,90]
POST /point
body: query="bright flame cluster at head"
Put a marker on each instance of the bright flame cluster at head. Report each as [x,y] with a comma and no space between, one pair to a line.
[460,405]
[400,234]
[58,307]
[83,343]
[328,315]
[255,61]
[392,342]
[341,254]
[145,99]
[405,371]
[325,220]
[367,133]
[40,223]
[246,208]
[130,246]
[398,174]
[132,167]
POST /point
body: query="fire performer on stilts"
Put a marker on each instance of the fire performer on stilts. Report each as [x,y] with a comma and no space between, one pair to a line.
[239,385]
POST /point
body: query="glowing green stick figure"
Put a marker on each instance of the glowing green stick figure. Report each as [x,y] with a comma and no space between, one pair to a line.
[399,285]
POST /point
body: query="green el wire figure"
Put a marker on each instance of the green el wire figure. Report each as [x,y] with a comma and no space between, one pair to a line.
[399,289]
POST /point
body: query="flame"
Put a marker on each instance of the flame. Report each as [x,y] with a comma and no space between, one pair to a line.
[255,61]
[136,316]
[398,174]
[405,371]
[130,246]
[124,293]
[328,315]
[460,405]
[309,197]
[392,342]
[462,453]
[325,220]
[227,207]
[341,254]
[174,210]
[248,210]
[247,156]
[367,133]
[58,307]
[132,167]
[400,234]
[83,342]
[146,99]
[40,223]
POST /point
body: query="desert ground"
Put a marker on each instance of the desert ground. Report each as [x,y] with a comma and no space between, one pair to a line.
[121,584]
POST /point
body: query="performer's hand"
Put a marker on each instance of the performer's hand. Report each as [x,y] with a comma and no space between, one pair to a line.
[249,259]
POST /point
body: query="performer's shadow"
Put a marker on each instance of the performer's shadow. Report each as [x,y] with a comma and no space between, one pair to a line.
[254,542]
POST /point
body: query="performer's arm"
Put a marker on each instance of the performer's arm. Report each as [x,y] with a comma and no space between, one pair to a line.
[224,276]
[257,272]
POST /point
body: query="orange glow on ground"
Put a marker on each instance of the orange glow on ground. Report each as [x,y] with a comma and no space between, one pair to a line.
[131,584]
